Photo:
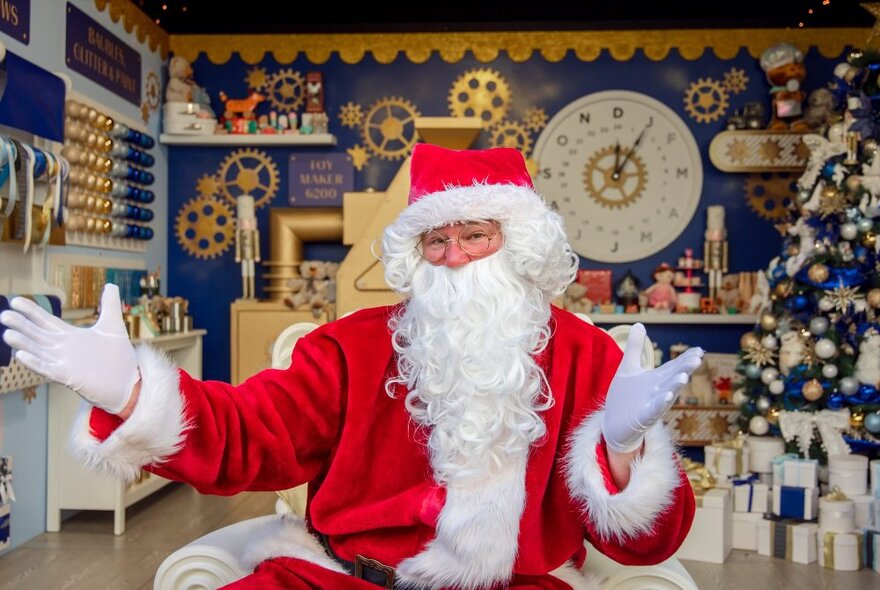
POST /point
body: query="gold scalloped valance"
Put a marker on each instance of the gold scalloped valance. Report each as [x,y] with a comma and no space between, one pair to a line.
[520,46]
[133,18]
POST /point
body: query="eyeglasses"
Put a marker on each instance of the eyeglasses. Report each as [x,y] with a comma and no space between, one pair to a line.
[474,239]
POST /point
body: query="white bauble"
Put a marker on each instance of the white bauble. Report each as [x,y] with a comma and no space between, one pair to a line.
[826,304]
[825,348]
[829,371]
[759,426]
[769,374]
[739,398]
[848,386]
[777,387]
[849,231]
[770,341]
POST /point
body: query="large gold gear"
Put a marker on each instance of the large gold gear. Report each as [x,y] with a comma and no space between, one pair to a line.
[512,134]
[481,93]
[256,78]
[205,227]
[706,100]
[248,172]
[389,128]
[351,115]
[735,80]
[604,188]
[771,195]
[535,119]
[286,90]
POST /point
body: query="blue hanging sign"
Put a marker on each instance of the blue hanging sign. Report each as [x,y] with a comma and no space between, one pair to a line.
[101,56]
[319,179]
[15,19]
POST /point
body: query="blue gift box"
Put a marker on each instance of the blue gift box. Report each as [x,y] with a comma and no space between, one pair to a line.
[793,502]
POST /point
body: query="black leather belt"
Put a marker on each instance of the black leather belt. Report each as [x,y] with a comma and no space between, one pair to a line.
[364,568]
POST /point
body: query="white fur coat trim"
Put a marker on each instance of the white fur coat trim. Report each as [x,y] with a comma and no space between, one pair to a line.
[501,202]
[287,536]
[577,579]
[633,511]
[477,534]
[154,431]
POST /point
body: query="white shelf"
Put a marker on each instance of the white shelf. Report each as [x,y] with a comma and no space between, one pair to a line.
[248,139]
[674,318]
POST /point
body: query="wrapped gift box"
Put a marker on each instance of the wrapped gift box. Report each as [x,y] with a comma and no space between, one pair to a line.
[776,465]
[750,496]
[871,556]
[800,473]
[725,461]
[874,468]
[711,535]
[863,508]
[787,540]
[799,503]
[4,526]
[762,449]
[836,515]
[849,473]
[841,551]
[745,530]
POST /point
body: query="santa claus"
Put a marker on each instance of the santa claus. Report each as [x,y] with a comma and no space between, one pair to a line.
[470,437]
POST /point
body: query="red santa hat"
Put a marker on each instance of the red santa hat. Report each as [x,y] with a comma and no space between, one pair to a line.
[449,186]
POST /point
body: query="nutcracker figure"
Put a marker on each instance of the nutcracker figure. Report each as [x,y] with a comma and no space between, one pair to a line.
[247,244]
[715,249]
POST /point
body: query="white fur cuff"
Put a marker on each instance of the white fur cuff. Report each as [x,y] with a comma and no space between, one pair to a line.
[154,431]
[633,511]
[287,537]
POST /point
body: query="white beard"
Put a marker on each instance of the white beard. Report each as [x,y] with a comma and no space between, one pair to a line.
[466,341]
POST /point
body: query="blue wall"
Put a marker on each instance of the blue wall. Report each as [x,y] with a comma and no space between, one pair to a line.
[212,284]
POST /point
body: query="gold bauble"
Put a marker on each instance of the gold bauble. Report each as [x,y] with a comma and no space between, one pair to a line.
[793,250]
[857,419]
[749,340]
[818,273]
[830,191]
[782,287]
[106,226]
[769,322]
[868,239]
[773,414]
[874,298]
[853,183]
[812,390]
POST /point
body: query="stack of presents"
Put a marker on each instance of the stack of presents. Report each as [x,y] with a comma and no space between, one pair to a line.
[751,495]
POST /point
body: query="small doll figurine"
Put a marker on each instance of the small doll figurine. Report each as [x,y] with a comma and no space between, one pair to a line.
[247,244]
[784,66]
[627,292]
[662,295]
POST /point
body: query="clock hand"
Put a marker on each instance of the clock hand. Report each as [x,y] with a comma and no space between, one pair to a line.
[630,152]
[616,159]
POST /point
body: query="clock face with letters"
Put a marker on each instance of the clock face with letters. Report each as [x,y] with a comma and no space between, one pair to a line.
[624,171]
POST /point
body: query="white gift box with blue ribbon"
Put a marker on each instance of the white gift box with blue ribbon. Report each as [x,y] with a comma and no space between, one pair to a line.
[750,495]
[800,473]
[793,502]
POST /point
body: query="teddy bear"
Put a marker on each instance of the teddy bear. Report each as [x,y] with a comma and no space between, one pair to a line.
[868,364]
[783,63]
[311,290]
[575,299]
[182,88]
[728,292]
[820,109]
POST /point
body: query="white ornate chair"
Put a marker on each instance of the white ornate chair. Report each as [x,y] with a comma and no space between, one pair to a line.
[214,560]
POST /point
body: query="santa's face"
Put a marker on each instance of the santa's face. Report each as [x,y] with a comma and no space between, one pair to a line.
[457,244]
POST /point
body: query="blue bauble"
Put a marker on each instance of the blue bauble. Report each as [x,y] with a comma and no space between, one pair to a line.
[797,303]
[872,423]
[836,401]
[753,371]
[828,170]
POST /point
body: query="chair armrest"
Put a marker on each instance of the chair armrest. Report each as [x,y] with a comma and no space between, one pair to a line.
[212,560]
[666,575]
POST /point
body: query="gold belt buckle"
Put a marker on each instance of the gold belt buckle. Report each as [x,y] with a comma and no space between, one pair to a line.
[360,562]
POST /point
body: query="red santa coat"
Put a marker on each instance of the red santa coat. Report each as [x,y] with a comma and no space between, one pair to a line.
[328,421]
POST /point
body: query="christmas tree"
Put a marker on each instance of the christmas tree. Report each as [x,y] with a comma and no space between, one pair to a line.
[813,359]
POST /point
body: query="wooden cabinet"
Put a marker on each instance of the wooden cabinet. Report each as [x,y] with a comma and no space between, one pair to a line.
[69,484]
[254,326]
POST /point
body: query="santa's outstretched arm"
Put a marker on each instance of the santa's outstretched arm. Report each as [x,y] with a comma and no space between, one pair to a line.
[622,464]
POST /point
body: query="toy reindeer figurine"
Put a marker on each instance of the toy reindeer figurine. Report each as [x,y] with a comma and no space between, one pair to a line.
[247,244]
[715,249]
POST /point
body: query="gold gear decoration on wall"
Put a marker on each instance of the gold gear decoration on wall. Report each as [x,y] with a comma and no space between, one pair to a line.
[511,134]
[208,185]
[535,119]
[204,227]
[248,172]
[482,93]
[359,156]
[610,192]
[770,195]
[735,80]
[706,100]
[351,115]
[256,78]
[389,129]
[286,90]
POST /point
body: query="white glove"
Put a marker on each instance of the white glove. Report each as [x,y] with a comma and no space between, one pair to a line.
[638,397]
[98,362]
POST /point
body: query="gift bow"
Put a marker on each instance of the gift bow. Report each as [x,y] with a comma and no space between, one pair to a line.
[836,495]
[699,477]
[830,423]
